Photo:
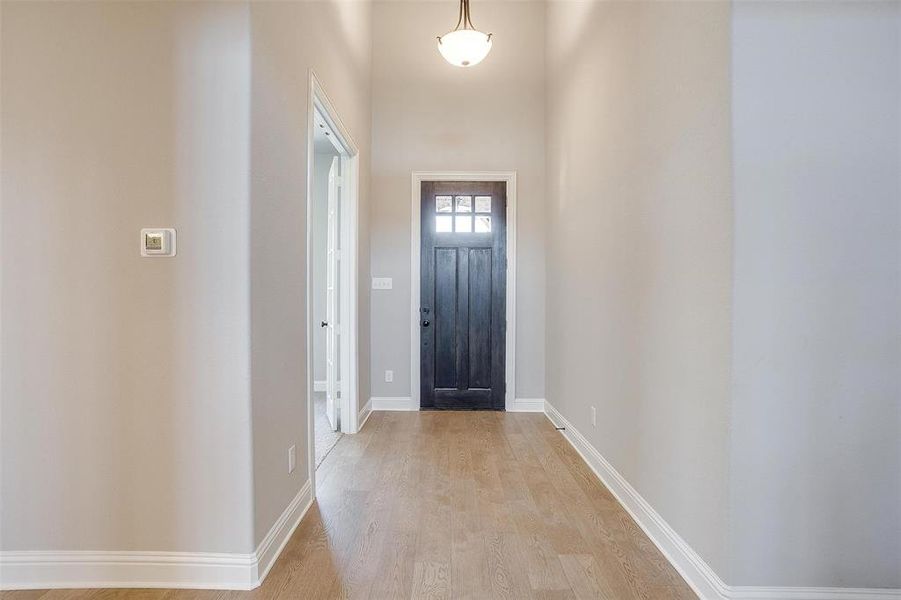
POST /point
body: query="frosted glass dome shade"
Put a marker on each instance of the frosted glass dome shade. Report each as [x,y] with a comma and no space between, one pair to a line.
[464,47]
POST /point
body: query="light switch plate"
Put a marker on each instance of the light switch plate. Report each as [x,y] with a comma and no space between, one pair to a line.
[382,283]
[158,242]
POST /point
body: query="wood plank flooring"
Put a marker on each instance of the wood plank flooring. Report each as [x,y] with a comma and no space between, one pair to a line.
[453,505]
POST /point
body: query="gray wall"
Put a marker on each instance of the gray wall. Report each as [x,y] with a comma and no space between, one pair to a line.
[816,460]
[763,424]
[125,380]
[639,224]
[429,115]
[148,404]
[289,38]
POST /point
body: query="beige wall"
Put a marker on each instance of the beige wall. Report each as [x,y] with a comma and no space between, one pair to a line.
[429,115]
[289,38]
[639,248]
[816,459]
[136,393]
[125,380]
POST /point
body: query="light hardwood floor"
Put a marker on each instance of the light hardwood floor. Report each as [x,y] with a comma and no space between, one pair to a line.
[453,505]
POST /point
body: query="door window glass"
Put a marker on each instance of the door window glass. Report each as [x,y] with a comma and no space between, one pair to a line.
[483,224]
[463,224]
[444,223]
[454,214]
[464,204]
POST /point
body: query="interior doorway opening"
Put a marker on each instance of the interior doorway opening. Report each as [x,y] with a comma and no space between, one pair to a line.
[332,238]
[326,259]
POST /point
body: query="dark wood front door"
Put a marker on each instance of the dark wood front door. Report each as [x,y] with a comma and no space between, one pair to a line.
[462,314]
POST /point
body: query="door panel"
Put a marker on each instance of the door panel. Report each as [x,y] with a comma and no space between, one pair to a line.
[480,320]
[463,296]
[331,299]
[445,320]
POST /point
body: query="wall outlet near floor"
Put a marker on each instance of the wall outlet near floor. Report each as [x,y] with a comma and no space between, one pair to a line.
[389,376]
[594,417]
[292,458]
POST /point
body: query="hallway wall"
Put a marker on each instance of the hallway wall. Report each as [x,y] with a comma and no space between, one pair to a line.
[125,380]
[639,234]
[816,460]
[159,397]
[429,115]
[741,339]
[290,38]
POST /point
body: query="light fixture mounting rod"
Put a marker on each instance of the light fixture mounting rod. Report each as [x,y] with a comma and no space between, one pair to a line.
[464,18]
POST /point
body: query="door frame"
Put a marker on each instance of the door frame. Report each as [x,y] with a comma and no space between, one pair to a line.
[318,100]
[508,177]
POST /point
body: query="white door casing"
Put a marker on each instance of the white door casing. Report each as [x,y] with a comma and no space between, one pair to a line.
[509,177]
[348,199]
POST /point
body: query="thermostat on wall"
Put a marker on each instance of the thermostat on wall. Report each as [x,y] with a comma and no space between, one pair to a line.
[157,242]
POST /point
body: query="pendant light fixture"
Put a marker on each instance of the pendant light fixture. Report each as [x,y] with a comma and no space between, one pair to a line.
[465,46]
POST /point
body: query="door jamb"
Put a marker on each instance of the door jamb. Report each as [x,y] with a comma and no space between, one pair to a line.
[508,177]
[348,277]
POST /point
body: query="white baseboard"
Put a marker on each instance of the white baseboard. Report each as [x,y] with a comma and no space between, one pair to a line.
[195,570]
[405,403]
[744,592]
[84,569]
[396,403]
[527,405]
[694,569]
[272,545]
[364,415]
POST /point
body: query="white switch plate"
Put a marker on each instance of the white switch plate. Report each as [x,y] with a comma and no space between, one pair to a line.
[292,459]
[158,242]
[594,417]
[382,283]
[389,376]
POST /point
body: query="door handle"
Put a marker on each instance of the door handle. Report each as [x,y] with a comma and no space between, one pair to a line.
[426,323]
[323,324]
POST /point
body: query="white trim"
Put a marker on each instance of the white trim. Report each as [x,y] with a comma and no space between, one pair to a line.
[396,403]
[365,413]
[508,177]
[318,100]
[694,569]
[740,592]
[196,570]
[527,405]
[272,545]
[53,570]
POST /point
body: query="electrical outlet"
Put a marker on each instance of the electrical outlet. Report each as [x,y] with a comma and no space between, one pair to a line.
[594,417]
[389,376]
[292,459]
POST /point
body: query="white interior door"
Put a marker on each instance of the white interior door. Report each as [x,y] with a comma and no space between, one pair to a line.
[331,298]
